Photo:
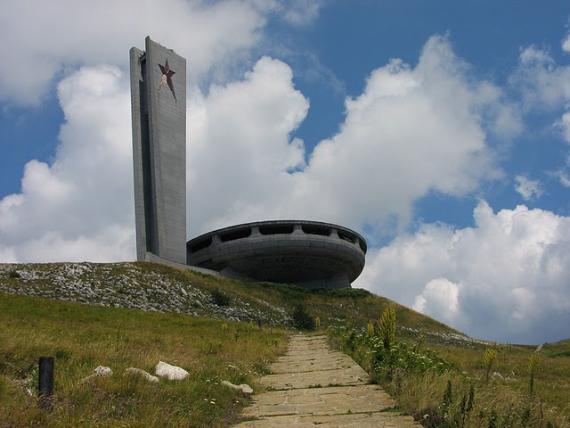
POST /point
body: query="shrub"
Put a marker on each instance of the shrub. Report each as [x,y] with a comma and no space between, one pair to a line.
[370,328]
[532,365]
[387,324]
[302,319]
[384,361]
[220,298]
[489,358]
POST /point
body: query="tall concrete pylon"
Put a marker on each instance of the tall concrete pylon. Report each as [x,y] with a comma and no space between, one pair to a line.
[158,101]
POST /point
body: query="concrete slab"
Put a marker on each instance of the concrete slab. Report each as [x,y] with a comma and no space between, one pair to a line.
[312,385]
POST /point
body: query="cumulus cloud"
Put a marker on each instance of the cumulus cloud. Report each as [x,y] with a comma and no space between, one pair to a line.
[61,34]
[527,188]
[507,278]
[81,206]
[441,296]
[239,150]
[412,131]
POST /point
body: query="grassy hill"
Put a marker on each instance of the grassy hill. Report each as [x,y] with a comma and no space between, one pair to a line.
[82,337]
[220,329]
[154,287]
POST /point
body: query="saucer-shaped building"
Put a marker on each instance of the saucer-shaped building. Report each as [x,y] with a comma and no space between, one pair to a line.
[307,253]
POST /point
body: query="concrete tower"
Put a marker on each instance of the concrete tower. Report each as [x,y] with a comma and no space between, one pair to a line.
[158,100]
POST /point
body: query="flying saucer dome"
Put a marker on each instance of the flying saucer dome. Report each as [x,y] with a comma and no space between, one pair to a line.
[308,253]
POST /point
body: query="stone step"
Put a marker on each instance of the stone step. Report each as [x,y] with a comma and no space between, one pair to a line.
[321,401]
[312,385]
[360,420]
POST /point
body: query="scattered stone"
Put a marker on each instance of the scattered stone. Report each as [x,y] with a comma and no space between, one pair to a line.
[170,372]
[497,375]
[127,285]
[244,387]
[144,374]
[99,371]
[103,371]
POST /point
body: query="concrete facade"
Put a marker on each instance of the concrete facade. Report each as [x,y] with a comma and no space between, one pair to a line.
[158,100]
[307,253]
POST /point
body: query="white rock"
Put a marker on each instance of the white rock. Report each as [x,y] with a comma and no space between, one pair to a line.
[170,372]
[99,371]
[244,387]
[142,373]
[497,375]
[103,371]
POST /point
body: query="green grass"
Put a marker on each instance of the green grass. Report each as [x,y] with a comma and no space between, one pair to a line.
[503,401]
[334,307]
[349,306]
[82,337]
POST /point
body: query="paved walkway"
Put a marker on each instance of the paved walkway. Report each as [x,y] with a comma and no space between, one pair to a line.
[312,385]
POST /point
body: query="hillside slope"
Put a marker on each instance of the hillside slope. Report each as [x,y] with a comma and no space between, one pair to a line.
[83,337]
[220,329]
[154,287]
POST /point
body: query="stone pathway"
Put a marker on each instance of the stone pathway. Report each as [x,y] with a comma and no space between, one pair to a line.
[312,385]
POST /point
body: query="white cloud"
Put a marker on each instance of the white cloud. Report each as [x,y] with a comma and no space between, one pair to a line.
[565,126]
[566,44]
[564,179]
[527,188]
[81,206]
[302,12]
[507,278]
[439,296]
[542,82]
[563,174]
[295,12]
[41,39]
[545,85]
[239,150]
[412,130]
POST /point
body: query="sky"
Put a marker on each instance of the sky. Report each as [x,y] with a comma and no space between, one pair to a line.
[440,131]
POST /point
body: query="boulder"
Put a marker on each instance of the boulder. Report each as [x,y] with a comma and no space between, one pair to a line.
[170,372]
[139,372]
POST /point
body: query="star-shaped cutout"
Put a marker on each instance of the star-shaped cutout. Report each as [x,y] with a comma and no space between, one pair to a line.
[166,78]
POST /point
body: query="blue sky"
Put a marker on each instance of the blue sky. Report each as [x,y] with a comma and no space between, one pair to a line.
[440,132]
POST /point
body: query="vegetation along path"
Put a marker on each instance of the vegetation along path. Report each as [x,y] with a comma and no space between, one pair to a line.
[312,385]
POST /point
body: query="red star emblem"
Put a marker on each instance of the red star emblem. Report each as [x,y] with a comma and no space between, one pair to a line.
[166,78]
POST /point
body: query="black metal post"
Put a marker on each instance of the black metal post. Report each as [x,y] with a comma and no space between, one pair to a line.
[45,382]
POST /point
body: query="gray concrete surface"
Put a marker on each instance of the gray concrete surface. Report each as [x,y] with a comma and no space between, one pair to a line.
[159,152]
[310,254]
[304,392]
